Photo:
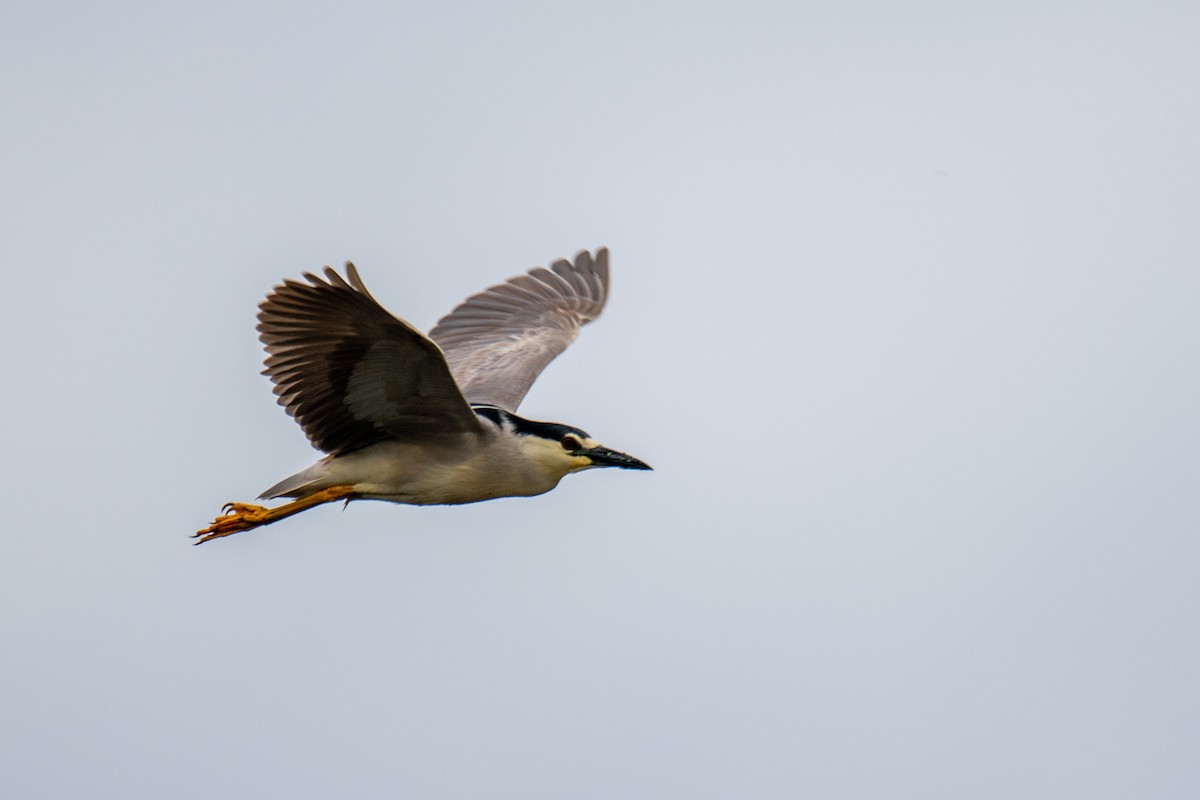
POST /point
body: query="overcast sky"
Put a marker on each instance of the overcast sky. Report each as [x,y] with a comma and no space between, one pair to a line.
[905,313]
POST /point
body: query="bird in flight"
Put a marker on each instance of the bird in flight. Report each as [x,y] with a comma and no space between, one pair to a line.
[425,420]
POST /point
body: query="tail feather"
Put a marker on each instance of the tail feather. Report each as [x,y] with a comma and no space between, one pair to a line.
[298,485]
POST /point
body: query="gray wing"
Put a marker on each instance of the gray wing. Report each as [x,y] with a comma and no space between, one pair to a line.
[498,341]
[349,372]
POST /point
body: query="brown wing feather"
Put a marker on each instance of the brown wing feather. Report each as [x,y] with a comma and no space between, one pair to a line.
[498,341]
[349,372]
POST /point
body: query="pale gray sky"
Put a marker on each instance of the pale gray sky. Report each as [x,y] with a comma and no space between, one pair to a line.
[904,313]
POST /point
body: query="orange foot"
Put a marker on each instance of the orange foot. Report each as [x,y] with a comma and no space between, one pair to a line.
[238,517]
[235,518]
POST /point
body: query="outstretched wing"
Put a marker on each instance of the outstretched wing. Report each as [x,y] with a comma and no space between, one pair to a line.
[349,372]
[498,341]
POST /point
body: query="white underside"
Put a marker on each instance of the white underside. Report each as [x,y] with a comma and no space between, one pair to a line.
[448,470]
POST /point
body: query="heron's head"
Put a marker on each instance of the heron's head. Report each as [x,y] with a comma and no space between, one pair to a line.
[558,449]
[570,450]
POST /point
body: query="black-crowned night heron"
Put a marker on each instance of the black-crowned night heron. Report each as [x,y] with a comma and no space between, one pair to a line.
[420,419]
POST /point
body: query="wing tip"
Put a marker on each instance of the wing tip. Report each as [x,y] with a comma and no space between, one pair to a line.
[600,266]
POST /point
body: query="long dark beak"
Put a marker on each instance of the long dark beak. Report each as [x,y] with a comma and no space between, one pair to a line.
[603,457]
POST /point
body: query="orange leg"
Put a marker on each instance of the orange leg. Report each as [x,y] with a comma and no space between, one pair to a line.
[240,517]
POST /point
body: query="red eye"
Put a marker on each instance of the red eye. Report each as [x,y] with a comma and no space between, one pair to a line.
[569,443]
